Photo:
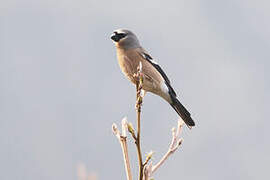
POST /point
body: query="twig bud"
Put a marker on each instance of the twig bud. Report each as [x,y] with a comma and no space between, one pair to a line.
[149,155]
[130,128]
[115,130]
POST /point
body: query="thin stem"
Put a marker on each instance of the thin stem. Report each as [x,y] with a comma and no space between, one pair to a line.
[126,157]
[139,98]
[175,143]
[138,143]
[123,142]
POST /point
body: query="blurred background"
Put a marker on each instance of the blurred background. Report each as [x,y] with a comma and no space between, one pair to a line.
[61,88]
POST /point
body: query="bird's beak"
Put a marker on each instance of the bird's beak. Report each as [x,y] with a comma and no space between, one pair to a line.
[115,37]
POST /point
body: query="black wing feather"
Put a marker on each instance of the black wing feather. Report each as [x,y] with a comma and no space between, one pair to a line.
[178,107]
[158,68]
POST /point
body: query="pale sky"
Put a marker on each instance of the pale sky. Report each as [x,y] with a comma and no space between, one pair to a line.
[61,87]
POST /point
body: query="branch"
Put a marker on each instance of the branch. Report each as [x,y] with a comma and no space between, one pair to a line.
[123,141]
[139,100]
[175,143]
[148,171]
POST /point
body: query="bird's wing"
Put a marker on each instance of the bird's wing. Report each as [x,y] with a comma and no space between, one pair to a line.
[147,57]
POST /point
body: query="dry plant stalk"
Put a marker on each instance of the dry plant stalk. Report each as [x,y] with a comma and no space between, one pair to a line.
[123,142]
[139,101]
[145,170]
[175,143]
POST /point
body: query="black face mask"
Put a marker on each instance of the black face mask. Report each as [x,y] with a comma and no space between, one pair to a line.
[117,36]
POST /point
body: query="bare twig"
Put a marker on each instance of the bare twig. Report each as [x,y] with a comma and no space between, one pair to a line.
[123,141]
[175,143]
[139,99]
[147,173]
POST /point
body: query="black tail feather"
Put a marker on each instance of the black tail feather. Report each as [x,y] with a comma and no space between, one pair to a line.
[182,111]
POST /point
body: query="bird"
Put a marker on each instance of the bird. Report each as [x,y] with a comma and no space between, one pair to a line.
[130,54]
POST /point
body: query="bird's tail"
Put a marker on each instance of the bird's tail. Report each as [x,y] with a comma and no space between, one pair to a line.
[182,111]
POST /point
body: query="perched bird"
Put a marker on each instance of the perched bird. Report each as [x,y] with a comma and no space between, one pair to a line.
[130,54]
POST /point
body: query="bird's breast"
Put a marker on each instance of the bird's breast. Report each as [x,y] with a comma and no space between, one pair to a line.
[127,65]
[153,82]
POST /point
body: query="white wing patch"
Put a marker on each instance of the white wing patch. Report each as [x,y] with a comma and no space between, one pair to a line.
[154,62]
[164,88]
[145,57]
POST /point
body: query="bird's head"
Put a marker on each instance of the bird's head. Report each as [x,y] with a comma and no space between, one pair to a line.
[125,39]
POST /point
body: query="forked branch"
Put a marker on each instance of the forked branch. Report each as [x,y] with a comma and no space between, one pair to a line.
[175,143]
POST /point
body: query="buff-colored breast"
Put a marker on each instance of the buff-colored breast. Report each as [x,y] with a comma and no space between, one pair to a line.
[129,61]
